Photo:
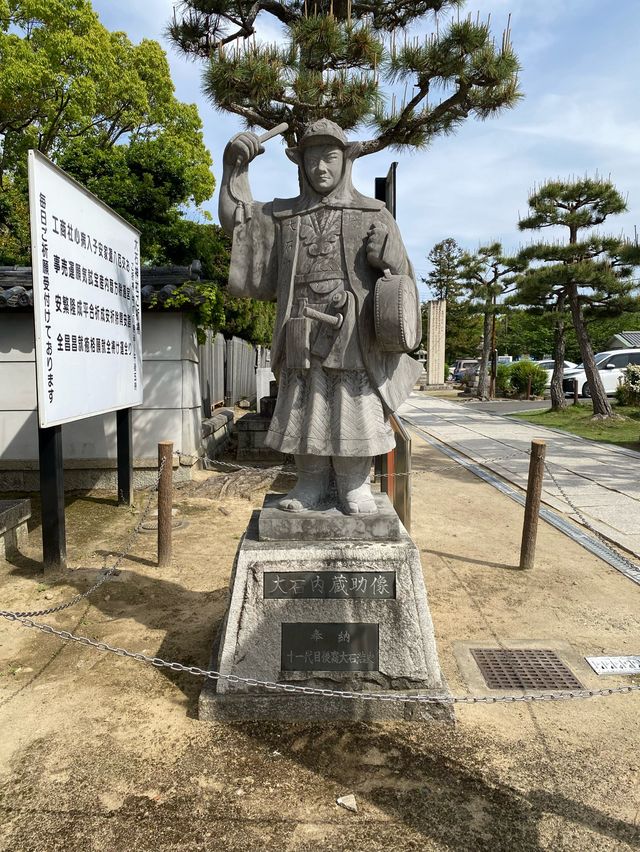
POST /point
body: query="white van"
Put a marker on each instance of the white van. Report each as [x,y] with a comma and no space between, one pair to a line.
[611,366]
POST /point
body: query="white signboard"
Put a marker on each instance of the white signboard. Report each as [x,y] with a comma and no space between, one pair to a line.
[86,299]
[615,665]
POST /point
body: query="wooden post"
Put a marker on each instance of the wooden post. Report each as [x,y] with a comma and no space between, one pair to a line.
[532,505]
[165,502]
[125,456]
[388,481]
[576,395]
[54,541]
[529,388]
[401,493]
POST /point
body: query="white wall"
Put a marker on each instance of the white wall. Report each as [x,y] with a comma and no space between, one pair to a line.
[171,410]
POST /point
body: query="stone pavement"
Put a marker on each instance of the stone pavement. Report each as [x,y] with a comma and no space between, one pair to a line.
[602,481]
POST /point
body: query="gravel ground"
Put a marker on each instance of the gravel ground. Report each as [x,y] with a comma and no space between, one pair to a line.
[103,753]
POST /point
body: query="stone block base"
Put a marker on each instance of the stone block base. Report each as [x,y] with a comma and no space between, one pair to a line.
[362,603]
[14,515]
[216,432]
[283,707]
[87,474]
[251,431]
[330,524]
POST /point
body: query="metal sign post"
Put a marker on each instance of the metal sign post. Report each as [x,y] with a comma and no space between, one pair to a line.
[54,543]
[124,440]
[385,189]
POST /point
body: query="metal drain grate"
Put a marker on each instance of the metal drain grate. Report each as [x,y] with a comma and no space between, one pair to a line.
[524,669]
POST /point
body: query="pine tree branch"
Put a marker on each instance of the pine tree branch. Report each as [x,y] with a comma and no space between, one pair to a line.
[246,26]
[251,116]
[403,123]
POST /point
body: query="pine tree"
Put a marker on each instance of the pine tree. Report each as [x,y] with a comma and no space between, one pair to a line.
[462,332]
[332,61]
[588,277]
[443,280]
[488,274]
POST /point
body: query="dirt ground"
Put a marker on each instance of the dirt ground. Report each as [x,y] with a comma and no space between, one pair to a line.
[99,752]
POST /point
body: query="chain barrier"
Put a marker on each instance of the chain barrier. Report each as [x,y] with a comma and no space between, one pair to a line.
[606,544]
[106,574]
[271,685]
[287,471]
[634,566]
[26,620]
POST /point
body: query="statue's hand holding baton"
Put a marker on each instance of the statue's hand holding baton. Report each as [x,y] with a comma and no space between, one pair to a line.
[245,147]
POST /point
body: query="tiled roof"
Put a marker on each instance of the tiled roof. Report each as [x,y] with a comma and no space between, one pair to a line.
[631,337]
[158,284]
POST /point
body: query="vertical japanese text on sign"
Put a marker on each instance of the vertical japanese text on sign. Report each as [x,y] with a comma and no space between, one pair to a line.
[86,296]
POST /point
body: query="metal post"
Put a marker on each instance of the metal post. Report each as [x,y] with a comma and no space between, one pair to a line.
[165,502]
[532,505]
[576,395]
[54,543]
[125,456]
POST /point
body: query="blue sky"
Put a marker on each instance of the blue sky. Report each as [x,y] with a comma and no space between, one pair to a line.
[580,75]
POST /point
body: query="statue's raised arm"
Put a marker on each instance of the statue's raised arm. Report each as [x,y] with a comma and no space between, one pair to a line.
[235,189]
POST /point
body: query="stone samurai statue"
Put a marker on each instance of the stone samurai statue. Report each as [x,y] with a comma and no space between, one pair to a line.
[347,312]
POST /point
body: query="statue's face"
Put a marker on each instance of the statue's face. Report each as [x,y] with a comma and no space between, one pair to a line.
[323,165]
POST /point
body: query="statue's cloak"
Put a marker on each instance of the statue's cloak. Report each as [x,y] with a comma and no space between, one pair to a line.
[263,266]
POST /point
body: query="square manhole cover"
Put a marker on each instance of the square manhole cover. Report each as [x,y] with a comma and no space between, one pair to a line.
[524,669]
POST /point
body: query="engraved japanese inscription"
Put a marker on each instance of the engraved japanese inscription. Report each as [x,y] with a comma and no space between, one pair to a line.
[341,647]
[380,585]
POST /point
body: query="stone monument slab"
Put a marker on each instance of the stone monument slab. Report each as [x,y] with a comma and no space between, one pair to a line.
[276,524]
[380,641]
[437,316]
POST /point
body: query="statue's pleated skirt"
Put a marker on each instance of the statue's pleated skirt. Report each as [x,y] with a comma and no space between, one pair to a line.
[328,412]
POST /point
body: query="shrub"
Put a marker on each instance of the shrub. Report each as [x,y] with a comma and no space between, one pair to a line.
[503,380]
[628,392]
[468,378]
[522,371]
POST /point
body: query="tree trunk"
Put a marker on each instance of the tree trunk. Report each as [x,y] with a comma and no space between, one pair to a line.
[558,399]
[601,405]
[483,375]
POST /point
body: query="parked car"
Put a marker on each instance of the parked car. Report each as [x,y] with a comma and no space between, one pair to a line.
[464,366]
[547,365]
[611,367]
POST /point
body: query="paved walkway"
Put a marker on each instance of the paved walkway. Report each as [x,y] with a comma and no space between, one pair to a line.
[602,481]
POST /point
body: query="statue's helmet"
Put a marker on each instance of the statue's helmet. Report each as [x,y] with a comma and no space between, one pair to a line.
[323,132]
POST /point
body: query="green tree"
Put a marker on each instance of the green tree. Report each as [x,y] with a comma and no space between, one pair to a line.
[444,279]
[520,332]
[334,56]
[102,108]
[602,329]
[463,331]
[487,274]
[589,277]
[463,328]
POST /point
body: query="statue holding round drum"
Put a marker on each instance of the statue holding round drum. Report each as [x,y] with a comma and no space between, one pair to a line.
[347,312]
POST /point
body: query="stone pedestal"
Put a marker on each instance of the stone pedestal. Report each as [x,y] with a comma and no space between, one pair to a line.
[327,525]
[334,614]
